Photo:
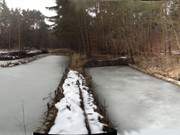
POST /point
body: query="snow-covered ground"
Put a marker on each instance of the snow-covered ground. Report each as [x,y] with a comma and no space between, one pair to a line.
[71,115]
[138,104]
[26,87]
[12,63]
[6,51]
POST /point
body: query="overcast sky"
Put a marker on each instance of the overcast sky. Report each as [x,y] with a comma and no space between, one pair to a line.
[33,4]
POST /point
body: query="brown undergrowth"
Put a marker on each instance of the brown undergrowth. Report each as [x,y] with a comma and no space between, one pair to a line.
[167,66]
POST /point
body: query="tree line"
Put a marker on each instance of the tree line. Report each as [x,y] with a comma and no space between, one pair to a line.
[23,29]
[131,27]
[122,27]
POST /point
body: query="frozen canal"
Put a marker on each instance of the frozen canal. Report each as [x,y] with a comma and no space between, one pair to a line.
[138,104]
[26,87]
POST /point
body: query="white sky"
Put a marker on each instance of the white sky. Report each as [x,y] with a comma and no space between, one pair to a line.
[33,4]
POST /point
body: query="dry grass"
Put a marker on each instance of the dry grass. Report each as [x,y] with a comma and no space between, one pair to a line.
[78,62]
[168,66]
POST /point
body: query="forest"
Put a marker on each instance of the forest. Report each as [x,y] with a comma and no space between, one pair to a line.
[144,30]
[147,31]
[132,27]
[135,27]
[92,67]
[23,29]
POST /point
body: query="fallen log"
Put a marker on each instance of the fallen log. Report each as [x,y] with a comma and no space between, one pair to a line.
[109,62]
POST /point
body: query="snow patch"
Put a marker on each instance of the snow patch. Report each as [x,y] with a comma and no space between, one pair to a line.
[71,116]
[93,117]
[12,63]
[34,51]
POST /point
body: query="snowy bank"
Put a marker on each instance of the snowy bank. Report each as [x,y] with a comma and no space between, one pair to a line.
[16,54]
[77,110]
[12,63]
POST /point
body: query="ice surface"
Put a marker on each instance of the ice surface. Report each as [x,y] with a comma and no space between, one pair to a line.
[138,104]
[27,86]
